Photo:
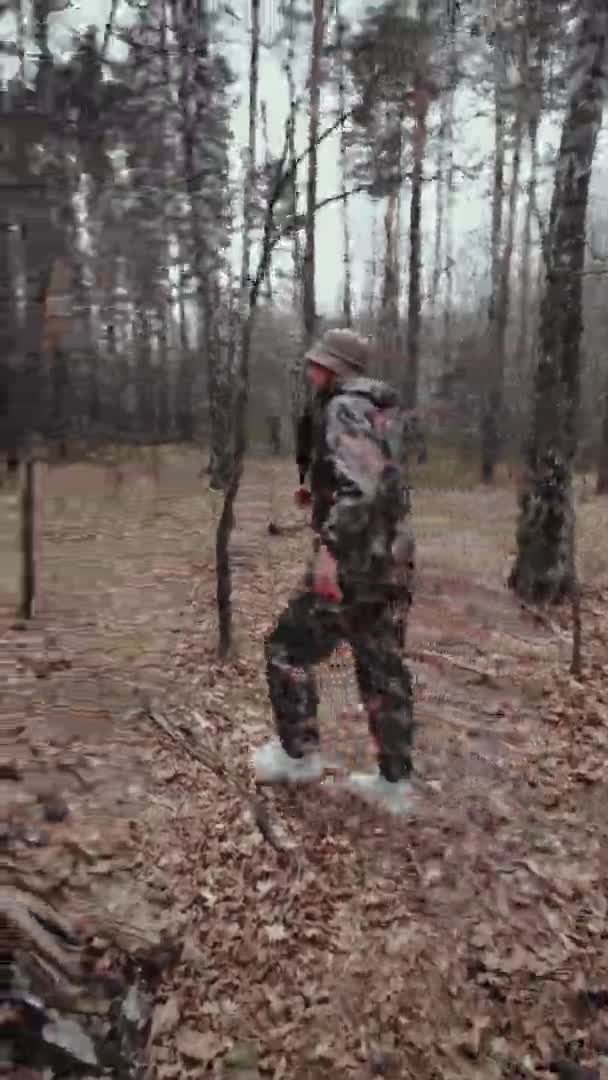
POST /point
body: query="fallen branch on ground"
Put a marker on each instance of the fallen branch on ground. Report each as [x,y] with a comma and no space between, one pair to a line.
[286,530]
[438,657]
[260,812]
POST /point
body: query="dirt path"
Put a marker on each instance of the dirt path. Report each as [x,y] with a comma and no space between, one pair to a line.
[448,946]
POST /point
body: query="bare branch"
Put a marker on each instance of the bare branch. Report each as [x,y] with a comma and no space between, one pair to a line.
[342,196]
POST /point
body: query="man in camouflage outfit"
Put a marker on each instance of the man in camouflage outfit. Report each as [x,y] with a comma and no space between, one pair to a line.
[359,502]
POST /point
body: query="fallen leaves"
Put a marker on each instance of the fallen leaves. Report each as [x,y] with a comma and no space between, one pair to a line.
[203,1047]
[343,945]
[165,1018]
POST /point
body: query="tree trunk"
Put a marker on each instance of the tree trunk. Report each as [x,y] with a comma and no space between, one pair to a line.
[388,333]
[267,164]
[247,301]
[31,536]
[602,462]
[544,568]
[39,243]
[309,309]
[372,270]
[501,321]
[523,350]
[165,407]
[8,337]
[447,375]
[144,370]
[411,374]
[439,215]
[347,302]
[292,153]
[190,26]
[492,397]
[163,390]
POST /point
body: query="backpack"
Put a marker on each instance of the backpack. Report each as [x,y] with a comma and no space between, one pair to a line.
[401,433]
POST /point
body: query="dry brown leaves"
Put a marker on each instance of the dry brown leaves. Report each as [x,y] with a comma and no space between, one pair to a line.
[455,944]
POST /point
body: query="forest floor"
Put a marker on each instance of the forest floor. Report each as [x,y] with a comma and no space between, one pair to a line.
[466,941]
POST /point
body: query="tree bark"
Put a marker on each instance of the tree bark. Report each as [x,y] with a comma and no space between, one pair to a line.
[292,153]
[602,463]
[491,407]
[447,379]
[267,162]
[247,300]
[8,337]
[347,301]
[410,388]
[544,568]
[523,347]
[388,331]
[190,26]
[31,536]
[309,309]
[501,321]
[439,216]
[373,269]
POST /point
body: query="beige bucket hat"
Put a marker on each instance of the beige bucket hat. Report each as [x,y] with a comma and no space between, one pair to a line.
[340,351]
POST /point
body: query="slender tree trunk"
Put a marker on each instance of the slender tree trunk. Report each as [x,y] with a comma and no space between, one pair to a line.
[267,161]
[308,269]
[163,389]
[492,398]
[31,536]
[8,337]
[20,36]
[522,351]
[295,380]
[411,374]
[372,270]
[439,216]
[165,411]
[389,305]
[347,301]
[292,153]
[247,302]
[190,26]
[602,462]
[544,568]
[448,136]
[144,371]
[504,290]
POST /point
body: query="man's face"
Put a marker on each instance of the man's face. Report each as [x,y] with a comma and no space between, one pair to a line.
[319,377]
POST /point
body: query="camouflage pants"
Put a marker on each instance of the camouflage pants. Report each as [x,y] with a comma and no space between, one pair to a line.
[306,633]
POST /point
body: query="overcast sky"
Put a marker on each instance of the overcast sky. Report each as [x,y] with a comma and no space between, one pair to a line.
[474,142]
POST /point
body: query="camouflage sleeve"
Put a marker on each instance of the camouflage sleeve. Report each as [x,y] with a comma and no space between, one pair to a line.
[358,464]
[304,444]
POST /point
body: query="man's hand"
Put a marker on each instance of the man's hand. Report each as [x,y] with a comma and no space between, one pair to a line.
[325,576]
[302,498]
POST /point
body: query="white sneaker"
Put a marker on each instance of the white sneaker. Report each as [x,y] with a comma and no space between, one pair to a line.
[272,765]
[374,788]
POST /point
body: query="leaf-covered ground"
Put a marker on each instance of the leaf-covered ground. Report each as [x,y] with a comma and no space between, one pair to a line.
[458,943]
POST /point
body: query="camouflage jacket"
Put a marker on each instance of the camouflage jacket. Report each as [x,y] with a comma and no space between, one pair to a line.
[358,483]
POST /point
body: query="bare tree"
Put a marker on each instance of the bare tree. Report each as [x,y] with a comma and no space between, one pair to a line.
[544,568]
[347,302]
[491,406]
[422,90]
[291,24]
[309,309]
[247,301]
